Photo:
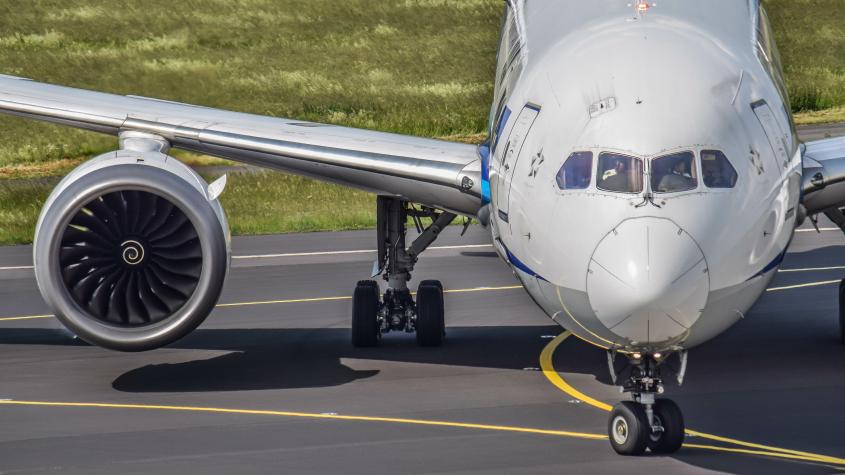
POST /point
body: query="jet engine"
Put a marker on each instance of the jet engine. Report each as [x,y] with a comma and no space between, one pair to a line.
[132,249]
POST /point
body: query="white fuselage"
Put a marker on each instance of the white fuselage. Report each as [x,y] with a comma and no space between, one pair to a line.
[641,270]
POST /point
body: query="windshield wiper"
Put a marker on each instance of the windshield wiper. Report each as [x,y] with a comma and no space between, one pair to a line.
[648,198]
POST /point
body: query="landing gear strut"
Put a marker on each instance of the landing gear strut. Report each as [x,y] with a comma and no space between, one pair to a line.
[646,422]
[396,310]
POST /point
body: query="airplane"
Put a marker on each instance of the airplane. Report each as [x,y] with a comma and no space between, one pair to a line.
[642,177]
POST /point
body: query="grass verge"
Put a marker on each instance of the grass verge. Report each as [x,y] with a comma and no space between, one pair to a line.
[421,67]
[260,202]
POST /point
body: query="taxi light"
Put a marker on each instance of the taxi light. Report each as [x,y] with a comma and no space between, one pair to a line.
[642,6]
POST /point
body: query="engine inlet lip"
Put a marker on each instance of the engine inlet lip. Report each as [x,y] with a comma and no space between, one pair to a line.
[122,177]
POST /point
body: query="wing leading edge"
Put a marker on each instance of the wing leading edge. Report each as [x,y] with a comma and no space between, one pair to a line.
[431,172]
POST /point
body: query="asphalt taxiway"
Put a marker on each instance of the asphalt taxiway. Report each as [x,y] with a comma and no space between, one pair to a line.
[271,383]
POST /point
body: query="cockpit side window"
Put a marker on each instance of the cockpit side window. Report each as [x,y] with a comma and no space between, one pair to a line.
[674,173]
[716,170]
[576,172]
[620,173]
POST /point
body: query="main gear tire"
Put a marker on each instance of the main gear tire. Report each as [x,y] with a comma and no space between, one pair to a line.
[430,324]
[365,327]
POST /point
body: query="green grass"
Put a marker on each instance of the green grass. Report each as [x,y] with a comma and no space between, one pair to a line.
[20,203]
[270,202]
[421,67]
[811,39]
[256,203]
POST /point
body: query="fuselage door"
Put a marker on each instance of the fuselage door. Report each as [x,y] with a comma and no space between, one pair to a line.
[777,139]
[512,151]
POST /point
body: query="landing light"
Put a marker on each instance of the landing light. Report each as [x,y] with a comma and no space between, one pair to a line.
[642,6]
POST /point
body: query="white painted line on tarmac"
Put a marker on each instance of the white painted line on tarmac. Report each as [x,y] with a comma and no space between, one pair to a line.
[17,268]
[812,230]
[801,286]
[306,254]
[356,251]
[813,269]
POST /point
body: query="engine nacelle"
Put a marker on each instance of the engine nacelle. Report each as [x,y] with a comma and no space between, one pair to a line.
[131,251]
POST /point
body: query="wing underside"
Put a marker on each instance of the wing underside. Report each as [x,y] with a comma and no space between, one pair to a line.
[824,179]
[427,171]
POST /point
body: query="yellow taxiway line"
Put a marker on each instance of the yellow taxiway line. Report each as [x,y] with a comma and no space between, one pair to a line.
[27,317]
[315,299]
[554,377]
[545,363]
[452,291]
[307,415]
[391,420]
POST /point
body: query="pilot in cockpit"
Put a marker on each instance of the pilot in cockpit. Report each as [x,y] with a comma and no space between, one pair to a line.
[713,176]
[615,178]
[676,179]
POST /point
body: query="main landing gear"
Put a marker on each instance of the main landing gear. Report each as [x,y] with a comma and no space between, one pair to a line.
[396,310]
[646,422]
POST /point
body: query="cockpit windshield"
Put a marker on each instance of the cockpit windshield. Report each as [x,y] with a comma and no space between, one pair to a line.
[620,173]
[717,171]
[673,173]
[576,172]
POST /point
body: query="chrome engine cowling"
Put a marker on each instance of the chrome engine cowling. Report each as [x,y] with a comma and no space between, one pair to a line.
[131,251]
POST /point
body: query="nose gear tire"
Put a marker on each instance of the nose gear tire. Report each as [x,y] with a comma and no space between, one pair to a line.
[628,428]
[430,324]
[672,420]
[365,326]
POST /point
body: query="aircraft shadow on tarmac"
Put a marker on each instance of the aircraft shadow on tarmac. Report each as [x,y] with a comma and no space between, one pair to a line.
[773,378]
[479,254]
[304,358]
[279,359]
[262,359]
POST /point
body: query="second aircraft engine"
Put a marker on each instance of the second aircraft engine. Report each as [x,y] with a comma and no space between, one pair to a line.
[131,250]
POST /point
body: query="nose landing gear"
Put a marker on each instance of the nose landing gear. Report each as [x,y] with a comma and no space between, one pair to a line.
[396,310]
[645,422]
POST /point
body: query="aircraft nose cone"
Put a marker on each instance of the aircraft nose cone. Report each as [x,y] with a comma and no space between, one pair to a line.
[647,280]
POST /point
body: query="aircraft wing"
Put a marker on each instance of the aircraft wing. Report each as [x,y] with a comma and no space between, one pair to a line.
[824,178]
[426,171]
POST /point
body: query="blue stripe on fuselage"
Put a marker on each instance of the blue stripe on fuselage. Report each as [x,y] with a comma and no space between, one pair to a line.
[775,262]
[521,265]
[484,151]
